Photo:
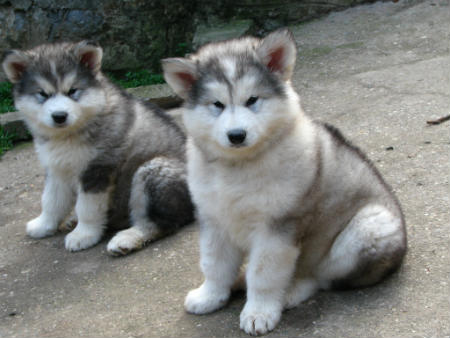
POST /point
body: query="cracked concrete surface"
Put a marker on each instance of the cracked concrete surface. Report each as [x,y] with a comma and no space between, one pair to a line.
[378,72]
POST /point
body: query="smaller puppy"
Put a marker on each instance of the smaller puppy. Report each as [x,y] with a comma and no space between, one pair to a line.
[307,208]
[117,159]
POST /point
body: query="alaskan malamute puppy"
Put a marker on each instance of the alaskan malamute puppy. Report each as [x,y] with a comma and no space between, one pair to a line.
[306,208]
[120,161]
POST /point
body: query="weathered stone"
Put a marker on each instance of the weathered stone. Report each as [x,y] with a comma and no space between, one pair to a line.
[137,33]
[22,4]
[67,4]
[224,31]
[13,124]
[160,94]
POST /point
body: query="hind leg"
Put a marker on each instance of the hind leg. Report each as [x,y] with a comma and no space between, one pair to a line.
[370,247]
[159,204]
[301,290]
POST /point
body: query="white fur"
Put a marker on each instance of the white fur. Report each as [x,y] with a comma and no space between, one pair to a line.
[77,141]
[373,223]
[241,202]
[300,203]
[270,268]
[38,116]
[91,209]
[131,239]
[57,201]
[220,261]
[64,160]
[65,157]
[300,291]
[143,229]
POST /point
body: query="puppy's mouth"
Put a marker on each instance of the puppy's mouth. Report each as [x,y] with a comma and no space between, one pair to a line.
[237,146]
[60,125]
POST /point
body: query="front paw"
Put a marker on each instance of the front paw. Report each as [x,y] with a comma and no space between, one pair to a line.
[125,241]
[83,237]
[257,319]
[40,227]
[205,300]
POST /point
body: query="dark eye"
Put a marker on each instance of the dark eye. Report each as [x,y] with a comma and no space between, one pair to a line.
[43,94]
[219,105]
[251,101]
[72,92]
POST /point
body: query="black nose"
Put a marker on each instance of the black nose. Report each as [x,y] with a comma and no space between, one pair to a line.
[237,136]
[59,117]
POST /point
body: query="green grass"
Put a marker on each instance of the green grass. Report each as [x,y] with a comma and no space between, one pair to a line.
[135,78]
[6,141]
[6,99]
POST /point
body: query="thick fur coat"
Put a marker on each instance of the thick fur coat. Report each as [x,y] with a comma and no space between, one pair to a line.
[306,208]
[117,160]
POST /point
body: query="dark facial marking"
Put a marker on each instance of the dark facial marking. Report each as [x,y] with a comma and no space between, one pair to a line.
[66,63]
[209,71]
[247,64]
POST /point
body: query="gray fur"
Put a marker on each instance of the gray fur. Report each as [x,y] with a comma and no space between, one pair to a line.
[120,135]
[306,207]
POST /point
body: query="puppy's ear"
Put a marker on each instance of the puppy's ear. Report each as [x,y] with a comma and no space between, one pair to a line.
[14,64]
[180,74]
[90,55]
[278,52]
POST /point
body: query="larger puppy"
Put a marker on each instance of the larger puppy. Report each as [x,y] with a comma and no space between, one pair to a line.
[118,160]
[307,208]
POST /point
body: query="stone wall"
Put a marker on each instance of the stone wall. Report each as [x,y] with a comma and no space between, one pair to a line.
[137,33]
[133,33]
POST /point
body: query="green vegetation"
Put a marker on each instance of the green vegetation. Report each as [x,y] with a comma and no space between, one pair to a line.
[6,140]
[135,78]
[6,100]
[182,49]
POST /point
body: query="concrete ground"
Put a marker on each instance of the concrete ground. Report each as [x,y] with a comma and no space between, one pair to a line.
[378,72]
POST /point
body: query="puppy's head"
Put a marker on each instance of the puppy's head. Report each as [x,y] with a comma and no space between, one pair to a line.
[56,86]
[237,93]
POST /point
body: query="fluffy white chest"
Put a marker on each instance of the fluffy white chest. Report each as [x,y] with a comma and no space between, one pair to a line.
[244,200]
[68,156]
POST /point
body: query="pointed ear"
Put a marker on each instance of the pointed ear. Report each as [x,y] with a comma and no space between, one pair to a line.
[90,55]
[14,64]
[278,52]
[180,74]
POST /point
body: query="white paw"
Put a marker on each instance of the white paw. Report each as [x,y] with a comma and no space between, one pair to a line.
[83,237]
[40,227]
[205,299]
[126,241]
[259,319]
[301,291]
